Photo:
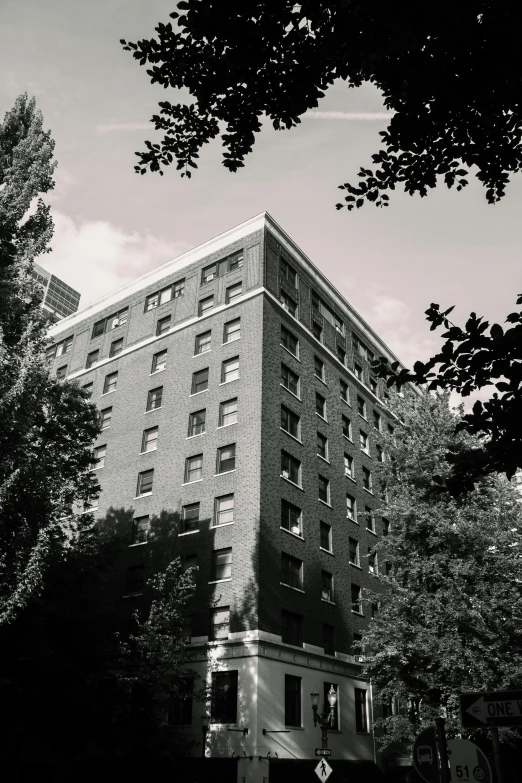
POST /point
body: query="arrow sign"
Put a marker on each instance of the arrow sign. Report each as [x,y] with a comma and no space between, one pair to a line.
[484,710]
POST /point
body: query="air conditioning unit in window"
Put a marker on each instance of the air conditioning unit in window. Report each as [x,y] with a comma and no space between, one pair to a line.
[285,474]
[360,658]
[209,277]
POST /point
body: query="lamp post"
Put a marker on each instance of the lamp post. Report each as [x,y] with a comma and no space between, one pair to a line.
[326,718]
[205,722]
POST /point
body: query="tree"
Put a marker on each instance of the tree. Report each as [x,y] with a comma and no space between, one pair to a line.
[450,604]
[46,426]
[451,75]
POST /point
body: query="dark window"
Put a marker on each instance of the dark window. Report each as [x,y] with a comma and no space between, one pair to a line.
[320,405]
[228,412]
[233,292]
[370,521]
[226,458]
[348,465]
[163,325]
[61,372]
[361,714]
[328,640]
[347,427]
[377,421]
[199,381]
[149,441]
[205,305]
[219,623]
[135,580]
[367,479]
[292,701]
[180,704]
[287,272]
[385,527]
[232,331]
[92,358]
[110,382]
[291,628]
[344,391]
[353,551]
[291,571]
[289,341]
[165,295]
[112,322]
[140,530]
[62,348]
[319,368]
[317,330]
[328,314]
[288,303]
[379,452]
[334,719]
[116,347]
[224,510]
[356,599]
[193,468]
[289,380]
[363,438]
[145,479]
[327,586]
[154,398]
[224,697]
[159,360]
[361,406]
[88,387]
[326,536]
[372,562]
[358,371]
[374,386]
[350,507]
[291,517]
[324,489]
[230,370]
[190,518]
[189,562]
[322,446]
[203,342]
[290,421]
[105,418]
[197,423]
[220,268]
[341,354]
[221,564]
[290,468]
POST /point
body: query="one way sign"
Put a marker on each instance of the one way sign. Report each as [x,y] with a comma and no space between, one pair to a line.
[483,710]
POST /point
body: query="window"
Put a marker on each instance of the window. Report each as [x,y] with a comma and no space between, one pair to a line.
[202,342]
[205,305]
[356,599]
[154,398]
[367,479]
[189,561]
[230,370]
[220,268]
[319,368]
[386,527]
[194,468]
[390,430]
[328,641]
[180,704]
[59,350]
[116,347]
[289,341]
[374,386]
[92,358]
[372,562]
[288,303]
[228,412]
[377,421]
[322,446]
[289,380]
[353,548]
[165,295]
[293,701]
[344,391]
[221,564]
[335,717]
[291,628]
[159,361]
[112,322]
[370,520]
[326,536]
[328,314]
[224,510]
[290,468]
[140,530]
[320,405]
[324,489]
[362,350]
[149,441]
[347,427]
[145,479]
[327,586]
[135,580]
[105,418]
[197,423]
[223,708]
[341,354]
[61,372]
[350,507]
[380,453]
[361,407]
[317,330]
[199,381]
[286,271]
[99,457]
[190,518]
[361,714]
[232,292]
[87,387]
[356,646]
[290,422]
[163,325]
[358,371]
[219,623]
[226,458]
[363,438]
[291,571]
[232,331]
[110,383]
[348,466]
[291,518]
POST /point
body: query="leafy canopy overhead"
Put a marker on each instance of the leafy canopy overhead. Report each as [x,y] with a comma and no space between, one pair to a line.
[450,72]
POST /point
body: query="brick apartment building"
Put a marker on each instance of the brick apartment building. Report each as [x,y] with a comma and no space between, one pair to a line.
[235,390]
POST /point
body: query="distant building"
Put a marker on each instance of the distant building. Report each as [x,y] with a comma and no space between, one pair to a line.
[235,391]
[60,300]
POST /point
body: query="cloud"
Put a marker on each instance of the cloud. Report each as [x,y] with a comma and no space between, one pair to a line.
[96,257]
[349,115]
[123,126]
[392,320]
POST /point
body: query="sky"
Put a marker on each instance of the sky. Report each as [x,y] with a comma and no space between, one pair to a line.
[112,225]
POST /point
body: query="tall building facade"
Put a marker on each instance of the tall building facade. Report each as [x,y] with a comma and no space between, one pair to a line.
[235,390]
[60,300]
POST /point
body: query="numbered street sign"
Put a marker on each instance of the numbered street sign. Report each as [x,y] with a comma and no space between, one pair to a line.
[323,770]
[425,759]
[468,764]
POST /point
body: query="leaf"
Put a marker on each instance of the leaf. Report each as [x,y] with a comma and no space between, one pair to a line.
[496,331]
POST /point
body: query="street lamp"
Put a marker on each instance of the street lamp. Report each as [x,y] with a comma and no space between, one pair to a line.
[325,719]
[205,722]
